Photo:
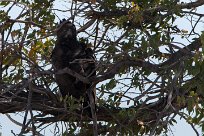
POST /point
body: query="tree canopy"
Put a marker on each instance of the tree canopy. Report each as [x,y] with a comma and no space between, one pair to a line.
[149,63]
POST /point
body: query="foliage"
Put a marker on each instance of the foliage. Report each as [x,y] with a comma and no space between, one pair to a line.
[149,65]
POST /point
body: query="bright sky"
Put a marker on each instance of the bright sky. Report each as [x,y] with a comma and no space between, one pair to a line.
[180,129]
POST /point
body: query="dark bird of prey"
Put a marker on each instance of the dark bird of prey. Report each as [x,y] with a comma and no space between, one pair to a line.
[70,53]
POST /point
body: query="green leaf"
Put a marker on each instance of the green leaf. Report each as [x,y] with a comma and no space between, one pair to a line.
[111,84]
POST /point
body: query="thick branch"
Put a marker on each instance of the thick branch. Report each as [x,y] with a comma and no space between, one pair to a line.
[115,68]
[146,113]
[186,51]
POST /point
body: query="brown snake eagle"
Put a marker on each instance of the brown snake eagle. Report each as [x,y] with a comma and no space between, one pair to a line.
[70,53]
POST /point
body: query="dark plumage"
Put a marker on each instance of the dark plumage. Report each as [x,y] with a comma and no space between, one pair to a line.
[69,52]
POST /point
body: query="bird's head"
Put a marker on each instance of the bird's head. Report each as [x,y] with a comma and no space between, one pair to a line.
[66,30]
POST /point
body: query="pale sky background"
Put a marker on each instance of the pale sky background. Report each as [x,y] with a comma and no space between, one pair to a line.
[180,129]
